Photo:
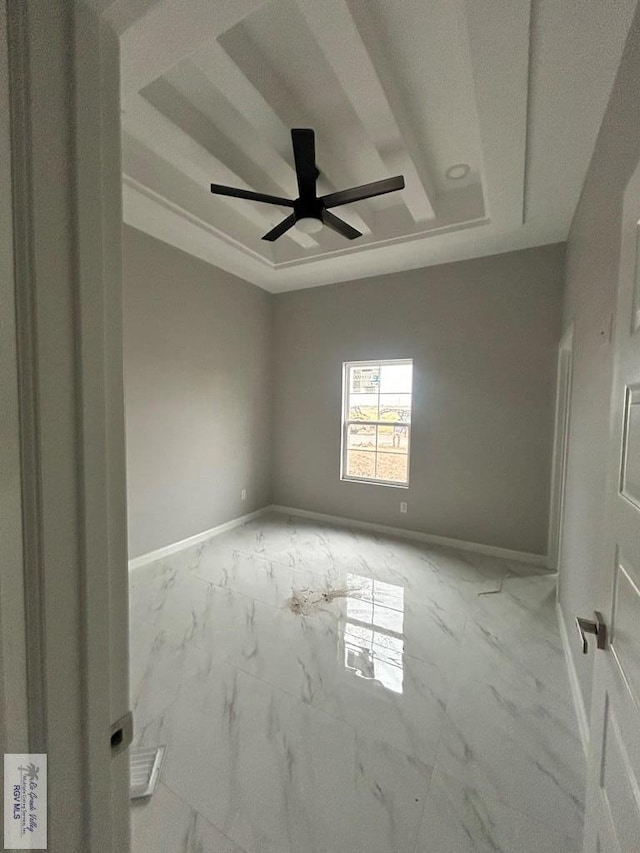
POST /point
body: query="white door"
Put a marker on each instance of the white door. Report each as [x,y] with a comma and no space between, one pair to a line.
[613,796]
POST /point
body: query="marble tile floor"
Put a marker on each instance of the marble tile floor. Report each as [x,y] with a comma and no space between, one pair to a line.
[323,689]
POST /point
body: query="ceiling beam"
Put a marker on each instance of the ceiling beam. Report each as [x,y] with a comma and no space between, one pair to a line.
[122,14]
[184,111]
[275,109]
[166,180]
[335,30]
[146,124]
[242,100]
[206,127]
[241,139]
[169,32]
[207,94]
[498,38]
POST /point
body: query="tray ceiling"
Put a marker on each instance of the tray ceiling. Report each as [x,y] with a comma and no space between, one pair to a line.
[210,91]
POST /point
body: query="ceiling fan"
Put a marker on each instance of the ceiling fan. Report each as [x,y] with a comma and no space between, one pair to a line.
[309,211]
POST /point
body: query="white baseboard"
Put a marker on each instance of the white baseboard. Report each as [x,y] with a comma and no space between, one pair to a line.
[490,550]
[576,692]
[152,556]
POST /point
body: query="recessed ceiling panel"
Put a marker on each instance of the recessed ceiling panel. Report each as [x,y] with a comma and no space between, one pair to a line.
[440,92]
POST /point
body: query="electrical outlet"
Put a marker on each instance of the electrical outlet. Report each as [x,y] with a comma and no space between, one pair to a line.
[403,506]
[243,495]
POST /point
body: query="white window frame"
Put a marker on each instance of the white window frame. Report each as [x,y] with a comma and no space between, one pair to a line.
[375,481]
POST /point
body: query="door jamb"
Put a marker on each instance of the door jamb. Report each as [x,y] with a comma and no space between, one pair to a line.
[13,651]
[560,449]
[63,87]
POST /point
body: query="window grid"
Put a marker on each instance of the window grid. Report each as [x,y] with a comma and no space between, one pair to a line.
[347,422]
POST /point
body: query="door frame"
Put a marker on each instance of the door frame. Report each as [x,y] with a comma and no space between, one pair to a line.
[562,424]
[64,142]
[13,663]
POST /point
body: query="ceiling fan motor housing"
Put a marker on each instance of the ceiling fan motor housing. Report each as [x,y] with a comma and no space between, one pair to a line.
[308,208]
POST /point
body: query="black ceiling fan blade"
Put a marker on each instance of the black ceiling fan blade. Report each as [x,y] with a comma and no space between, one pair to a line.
[304,153]
[280,228]
[340,226]
[388,185]
[235,192]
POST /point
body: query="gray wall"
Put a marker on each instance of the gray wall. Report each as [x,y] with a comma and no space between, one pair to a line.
[483,337]
[198,389]
[592,269]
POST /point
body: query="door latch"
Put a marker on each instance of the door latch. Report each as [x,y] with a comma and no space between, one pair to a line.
[596,627]
[121,734]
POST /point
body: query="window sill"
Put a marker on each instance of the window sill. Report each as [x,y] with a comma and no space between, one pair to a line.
[374,482]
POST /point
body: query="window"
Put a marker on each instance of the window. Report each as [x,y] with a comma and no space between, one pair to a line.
[376,421]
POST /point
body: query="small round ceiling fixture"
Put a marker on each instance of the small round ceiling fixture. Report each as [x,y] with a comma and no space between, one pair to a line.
[458,171]
[309,225]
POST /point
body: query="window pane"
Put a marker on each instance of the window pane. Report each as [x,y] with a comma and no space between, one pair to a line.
[364,380]
[395,407]
[361,463]
[385,437]
[363,407]
[393,438]
[392,466]
[396,378]
[361,437]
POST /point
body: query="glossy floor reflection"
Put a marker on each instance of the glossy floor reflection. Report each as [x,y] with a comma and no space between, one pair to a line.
[373,633]
[322,690]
